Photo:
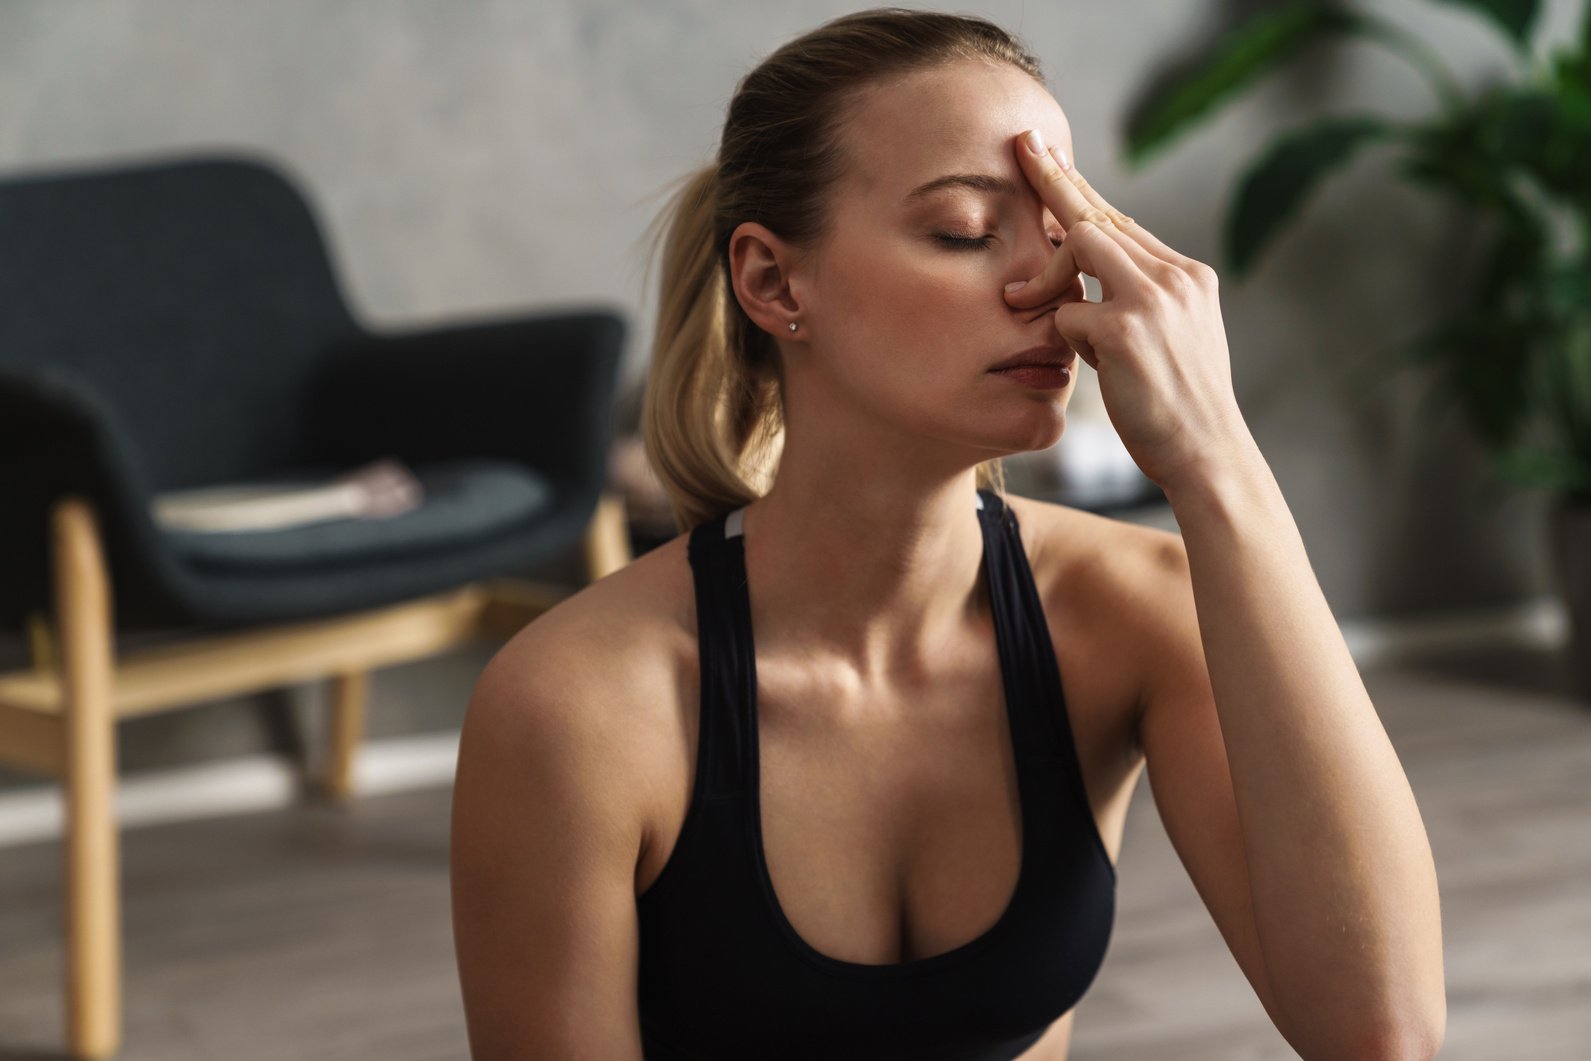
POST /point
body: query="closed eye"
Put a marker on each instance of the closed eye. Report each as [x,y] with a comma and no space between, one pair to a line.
[977,242]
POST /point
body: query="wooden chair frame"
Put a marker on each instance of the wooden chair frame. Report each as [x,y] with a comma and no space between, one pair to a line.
[57,718]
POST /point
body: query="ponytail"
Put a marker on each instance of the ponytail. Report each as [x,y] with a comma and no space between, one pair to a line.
[712,419]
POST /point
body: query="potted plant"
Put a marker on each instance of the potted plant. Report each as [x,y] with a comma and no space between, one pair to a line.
[1517,156]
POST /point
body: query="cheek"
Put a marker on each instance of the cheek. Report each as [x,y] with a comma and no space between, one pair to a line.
[911,301]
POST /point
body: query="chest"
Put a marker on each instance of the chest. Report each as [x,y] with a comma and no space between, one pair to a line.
[890,817]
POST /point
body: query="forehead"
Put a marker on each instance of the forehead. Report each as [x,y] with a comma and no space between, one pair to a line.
[958,118]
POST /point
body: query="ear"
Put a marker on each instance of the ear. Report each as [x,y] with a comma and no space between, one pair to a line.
[760,270]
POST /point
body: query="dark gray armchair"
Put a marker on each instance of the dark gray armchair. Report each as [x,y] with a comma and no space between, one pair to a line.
[177,323]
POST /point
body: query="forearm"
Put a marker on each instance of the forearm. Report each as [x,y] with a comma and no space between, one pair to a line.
[1344,885]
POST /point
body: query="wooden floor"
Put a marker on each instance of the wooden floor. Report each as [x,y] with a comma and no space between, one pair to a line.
[324,933]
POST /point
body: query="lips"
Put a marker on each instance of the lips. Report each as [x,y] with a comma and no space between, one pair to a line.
[1038,355]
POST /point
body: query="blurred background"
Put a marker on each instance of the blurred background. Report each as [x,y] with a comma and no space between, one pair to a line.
[485,160]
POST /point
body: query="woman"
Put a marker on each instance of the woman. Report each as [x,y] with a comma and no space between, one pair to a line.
[890,830]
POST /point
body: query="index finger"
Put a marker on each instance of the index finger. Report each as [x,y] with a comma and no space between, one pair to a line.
[1065,200]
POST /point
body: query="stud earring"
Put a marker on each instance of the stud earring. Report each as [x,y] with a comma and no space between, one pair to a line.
[792,325]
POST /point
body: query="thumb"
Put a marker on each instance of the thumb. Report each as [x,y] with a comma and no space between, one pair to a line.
[1083,250]
[1056,280]
[1076,323]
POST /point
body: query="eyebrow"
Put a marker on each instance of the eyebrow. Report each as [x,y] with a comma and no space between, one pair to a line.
[983,182]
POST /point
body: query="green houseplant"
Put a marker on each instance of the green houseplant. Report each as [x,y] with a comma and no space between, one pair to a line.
[1516,155]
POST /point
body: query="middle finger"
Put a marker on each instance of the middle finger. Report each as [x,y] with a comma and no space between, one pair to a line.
[1055,186]
[1124,225]
[1058,188]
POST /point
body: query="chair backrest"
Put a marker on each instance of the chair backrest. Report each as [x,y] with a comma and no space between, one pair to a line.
[193,295]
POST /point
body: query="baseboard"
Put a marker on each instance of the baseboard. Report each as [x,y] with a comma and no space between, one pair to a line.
[233,786]
[1541,623]
[259,782]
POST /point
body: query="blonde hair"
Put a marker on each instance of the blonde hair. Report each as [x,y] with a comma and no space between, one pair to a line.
[712,416]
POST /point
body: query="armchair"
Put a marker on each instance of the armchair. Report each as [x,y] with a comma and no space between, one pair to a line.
[176,323]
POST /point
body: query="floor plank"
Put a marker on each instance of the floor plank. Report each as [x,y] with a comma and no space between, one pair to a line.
[322,932]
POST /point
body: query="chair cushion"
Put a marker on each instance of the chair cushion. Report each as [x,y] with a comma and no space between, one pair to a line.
[465,501]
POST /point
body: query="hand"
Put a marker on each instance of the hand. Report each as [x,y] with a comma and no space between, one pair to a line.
[1155,337]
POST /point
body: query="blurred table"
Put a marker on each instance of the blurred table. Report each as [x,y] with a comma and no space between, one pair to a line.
[1089,469]
[1146,505]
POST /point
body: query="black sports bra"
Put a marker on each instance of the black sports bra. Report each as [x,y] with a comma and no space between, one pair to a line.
[723,973]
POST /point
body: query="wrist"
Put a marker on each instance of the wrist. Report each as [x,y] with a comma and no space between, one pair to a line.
[1222,475]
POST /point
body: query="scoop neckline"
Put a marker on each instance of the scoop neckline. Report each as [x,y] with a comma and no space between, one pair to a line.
[1026,862]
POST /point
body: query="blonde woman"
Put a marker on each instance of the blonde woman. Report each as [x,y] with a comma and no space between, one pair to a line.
[841,771]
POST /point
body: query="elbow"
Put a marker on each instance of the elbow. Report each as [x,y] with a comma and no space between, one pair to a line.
[1422,1045]
[1409,1041]
[1393,1039]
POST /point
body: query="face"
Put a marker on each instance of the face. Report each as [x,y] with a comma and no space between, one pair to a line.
[903,303]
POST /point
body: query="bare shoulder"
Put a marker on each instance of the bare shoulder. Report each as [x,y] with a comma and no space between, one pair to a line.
[1111,560]
[1105,584]
[608,670]
[612,649]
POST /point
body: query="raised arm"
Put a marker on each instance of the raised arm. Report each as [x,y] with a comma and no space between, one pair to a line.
[1281,789]
[1279,786]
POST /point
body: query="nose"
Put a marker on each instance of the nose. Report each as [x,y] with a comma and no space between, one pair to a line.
[1032,251]
[1034,254]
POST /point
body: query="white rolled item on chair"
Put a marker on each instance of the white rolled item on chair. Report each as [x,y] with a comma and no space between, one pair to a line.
[377,490]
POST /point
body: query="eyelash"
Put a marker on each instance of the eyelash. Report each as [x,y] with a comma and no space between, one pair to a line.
[976,243]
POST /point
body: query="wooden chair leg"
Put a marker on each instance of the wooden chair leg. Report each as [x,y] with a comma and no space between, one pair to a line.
[41,644]
[607,538]
[92,862]
[346,726]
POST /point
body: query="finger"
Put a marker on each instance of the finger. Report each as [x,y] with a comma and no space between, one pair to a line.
[1065,200]
[1061,275]
[1086,249]
[1076,214]
[1127,226]
[1075,323]
[1122,228]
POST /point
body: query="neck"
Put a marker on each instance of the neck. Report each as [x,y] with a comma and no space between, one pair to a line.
[879,576]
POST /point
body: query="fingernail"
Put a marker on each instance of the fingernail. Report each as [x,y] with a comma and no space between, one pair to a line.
[1035,142]
[1015,285]
[1060,156]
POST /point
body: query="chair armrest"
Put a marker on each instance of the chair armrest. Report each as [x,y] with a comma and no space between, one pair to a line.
[59,437]
[538,389]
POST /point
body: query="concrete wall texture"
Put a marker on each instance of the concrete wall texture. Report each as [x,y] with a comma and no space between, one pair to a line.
[493,156]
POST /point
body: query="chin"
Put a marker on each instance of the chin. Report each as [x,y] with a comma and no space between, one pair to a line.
[1038,434]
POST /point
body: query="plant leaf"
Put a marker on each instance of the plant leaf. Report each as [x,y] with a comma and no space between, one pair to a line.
[1456,154]
[1541,469]
[1275,186]
[1516,17]
[1241,57]
[1490,371]
[1546,133]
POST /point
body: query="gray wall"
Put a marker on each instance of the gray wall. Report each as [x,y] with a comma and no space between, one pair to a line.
[484,156]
